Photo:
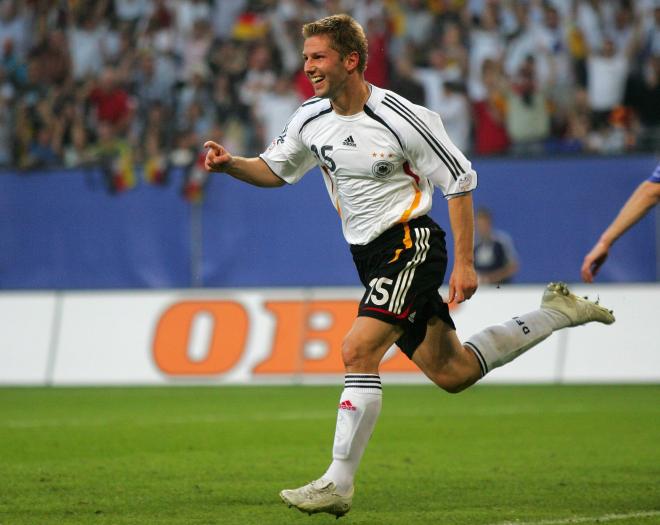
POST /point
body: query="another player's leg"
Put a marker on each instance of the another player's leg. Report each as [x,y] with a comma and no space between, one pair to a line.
[359,408]
[454,367]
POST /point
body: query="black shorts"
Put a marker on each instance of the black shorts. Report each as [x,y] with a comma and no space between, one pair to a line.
[402,270]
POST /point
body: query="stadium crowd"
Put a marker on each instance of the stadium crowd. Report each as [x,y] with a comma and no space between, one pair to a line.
[149,80]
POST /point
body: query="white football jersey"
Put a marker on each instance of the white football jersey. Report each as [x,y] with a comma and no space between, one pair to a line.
[379,165]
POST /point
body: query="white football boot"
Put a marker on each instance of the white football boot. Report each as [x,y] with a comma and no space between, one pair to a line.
[318,496]
[579,310]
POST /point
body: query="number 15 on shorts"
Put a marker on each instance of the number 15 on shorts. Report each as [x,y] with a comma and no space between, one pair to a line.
[378,294]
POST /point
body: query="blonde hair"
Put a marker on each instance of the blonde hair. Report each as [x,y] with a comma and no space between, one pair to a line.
[346,36]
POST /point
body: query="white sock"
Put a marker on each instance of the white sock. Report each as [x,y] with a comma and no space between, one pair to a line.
[501,343]
[359,407]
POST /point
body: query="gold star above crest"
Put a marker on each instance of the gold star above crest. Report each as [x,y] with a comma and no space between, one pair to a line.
[383,154]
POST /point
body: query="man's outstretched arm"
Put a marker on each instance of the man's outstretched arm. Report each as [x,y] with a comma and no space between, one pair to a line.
[641,201]
[253,170]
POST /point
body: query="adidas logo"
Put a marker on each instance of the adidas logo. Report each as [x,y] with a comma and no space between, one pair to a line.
[346,405]
[348,141]
[411,317]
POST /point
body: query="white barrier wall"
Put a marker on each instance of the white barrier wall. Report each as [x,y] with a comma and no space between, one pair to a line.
[289,335]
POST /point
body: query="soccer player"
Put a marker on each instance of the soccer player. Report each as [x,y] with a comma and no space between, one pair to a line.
[645,197]
[380,157]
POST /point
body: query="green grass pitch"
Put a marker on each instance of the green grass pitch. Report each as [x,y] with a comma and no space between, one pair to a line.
[533,455]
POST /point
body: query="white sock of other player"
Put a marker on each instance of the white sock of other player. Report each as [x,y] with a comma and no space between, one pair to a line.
[501,343]
[359,407]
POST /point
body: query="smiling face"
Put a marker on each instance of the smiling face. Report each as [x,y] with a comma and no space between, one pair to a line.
[325,68]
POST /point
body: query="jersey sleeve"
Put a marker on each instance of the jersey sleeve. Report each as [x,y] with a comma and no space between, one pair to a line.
[287,156]
[434,155]
[655,176]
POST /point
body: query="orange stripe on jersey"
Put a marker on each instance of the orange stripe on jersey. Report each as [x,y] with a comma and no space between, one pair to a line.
[416,199]
[407,241]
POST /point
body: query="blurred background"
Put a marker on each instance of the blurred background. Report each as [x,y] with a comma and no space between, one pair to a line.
[105,105]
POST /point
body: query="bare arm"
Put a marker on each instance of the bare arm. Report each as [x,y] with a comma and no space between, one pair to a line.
[640,202]
[253,170]
[463,280]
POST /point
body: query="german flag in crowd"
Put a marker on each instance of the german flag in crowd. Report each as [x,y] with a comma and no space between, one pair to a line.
[195,181]
[122,174]
[155,170]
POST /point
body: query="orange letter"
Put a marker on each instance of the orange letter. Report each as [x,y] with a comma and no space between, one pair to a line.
[227,342]
[295,332]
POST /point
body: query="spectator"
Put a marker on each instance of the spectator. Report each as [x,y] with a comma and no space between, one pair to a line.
[154,80]
[196,48]
[404,81]
[224,16]
[642,96]
[187,13]
[607,72]
[179,54]
[86,35]
[41,151]
[15,27]
[527,117]
[456,54]
[495,257]
[455,113]
[199,121]
[6,118]
[486,43]
[553,42]
[197,89]
[432,78]
[155,134]
[274,108]
[131,11]
[259,76]
[111,102]
[225,101]
[74,152]
[378,71]
[418,22]
[490,134]
[15,68]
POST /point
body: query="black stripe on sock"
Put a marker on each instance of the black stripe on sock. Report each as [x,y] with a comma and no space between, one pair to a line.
[480,358]
[364,386]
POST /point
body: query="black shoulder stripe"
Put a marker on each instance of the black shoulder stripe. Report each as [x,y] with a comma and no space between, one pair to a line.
[373,115]
[431,143]
[311,101]
[423,124]
[405,112]
[319,114]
